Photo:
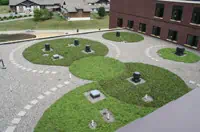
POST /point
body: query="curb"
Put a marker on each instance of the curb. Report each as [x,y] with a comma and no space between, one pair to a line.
[59,36]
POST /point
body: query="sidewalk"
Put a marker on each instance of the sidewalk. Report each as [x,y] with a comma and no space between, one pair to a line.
[17,19]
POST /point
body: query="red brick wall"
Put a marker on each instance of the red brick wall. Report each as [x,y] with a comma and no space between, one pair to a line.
[142,11]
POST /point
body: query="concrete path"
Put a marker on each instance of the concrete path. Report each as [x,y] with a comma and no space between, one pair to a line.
[17,19]
[27,90]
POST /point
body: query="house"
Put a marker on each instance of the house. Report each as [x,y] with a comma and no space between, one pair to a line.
[176,21]
[96,4]
[28,6]
[75,10]
[71,9]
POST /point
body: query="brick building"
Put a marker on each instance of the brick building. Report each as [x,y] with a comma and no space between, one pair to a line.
[177,21]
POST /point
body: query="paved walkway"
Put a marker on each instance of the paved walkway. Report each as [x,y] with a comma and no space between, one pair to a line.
[17,19]
[27,90]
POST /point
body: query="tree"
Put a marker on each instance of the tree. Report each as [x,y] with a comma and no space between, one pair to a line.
[4,2]
[37,14]
[42,14]
[101,12]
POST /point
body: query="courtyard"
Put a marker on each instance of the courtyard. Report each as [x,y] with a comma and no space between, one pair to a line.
[43,94]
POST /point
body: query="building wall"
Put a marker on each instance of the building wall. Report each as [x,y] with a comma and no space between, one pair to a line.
[79,14]
[142,11]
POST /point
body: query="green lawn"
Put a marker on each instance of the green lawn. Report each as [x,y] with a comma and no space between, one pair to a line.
[4,9]
[12,37]
[97,68]
[169,53]
[56,23]
[163,85]
[125,36]
[34,53]
[73,113]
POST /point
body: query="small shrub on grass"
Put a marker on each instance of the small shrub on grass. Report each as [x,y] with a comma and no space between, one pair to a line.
[5,18]
[101,12]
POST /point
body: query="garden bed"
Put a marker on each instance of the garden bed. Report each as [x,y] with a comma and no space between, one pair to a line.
[124,36]
[62,47]
[12,37]
[73,112]
[169,53]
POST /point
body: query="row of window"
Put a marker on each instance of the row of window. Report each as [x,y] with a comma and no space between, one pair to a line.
[177,12]
[156,31]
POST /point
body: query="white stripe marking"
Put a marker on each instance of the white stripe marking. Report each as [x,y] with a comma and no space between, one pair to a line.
[28,107]
[53,72]
[24,68]
[41,72]
[60,85]
[47,72]
[10,129]
[34,71]
[191,82]
[34,102]
[29,69]
[47,93]
[21,113]
[66,82]
[40,97]
[16,121]
[54,89]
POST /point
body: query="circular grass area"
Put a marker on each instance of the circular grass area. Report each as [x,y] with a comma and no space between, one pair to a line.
[34,53]
[73,113]
[125,36]
[169,53]
[12,37]
[162,85]
[97,68]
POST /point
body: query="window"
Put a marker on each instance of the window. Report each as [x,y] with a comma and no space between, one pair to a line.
[196,15]
[192,40]
[177,13]
[142,27]
[130,24]
[119,22]
[172,35]
[159,12]
[156,31]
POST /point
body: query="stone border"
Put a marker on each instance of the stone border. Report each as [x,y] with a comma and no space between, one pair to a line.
[59,36]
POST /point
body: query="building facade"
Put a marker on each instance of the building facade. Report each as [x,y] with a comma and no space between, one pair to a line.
[177,21]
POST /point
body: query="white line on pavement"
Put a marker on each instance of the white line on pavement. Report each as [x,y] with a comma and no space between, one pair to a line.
[34,102]
[21,113]
[40,97]
[28,107]
[10,129]
[60,86]
[47,93]
[54,89]
[16,121]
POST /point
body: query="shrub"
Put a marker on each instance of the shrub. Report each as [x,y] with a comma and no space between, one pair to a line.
[10,17]
[101,12]
[42,14]
[4,2]
[25,15]
[4,17]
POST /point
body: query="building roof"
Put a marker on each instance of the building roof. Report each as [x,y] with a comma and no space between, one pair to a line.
[40,2]
[75,5]
[183,1]
[181,115]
